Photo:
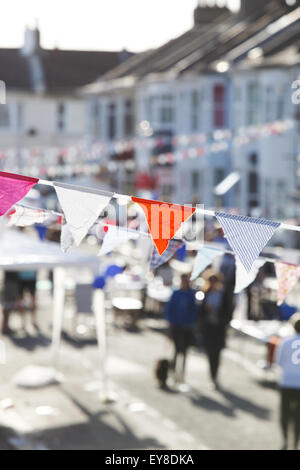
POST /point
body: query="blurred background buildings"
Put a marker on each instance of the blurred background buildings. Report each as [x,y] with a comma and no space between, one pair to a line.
[207,117]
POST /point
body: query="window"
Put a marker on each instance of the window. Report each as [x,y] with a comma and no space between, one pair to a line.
[237,93]
[167,109]
[195,180]
[252,182]
[61,117]
[112,124]
[253,103]
[20,115]
[269,103]
[218,175]
[128,118]
[253,159]
[195,110]
[96,118]
[281,192]
[4,116]
[150,108]
[280,103]
[219,106]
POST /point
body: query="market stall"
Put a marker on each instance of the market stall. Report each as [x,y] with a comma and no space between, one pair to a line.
[20,252]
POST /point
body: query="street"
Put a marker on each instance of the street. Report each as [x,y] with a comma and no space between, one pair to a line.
[71,415]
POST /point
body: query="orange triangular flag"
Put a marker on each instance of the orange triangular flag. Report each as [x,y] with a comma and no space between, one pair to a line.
[163,219]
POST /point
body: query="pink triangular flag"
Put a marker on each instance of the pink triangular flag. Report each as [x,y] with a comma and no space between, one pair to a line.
[287,277]
[13,188]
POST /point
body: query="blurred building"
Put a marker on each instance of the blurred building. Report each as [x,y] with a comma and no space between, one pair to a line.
[42,108]
[210,106]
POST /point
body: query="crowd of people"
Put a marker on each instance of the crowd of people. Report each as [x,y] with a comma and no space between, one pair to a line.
[187,313]
[213,316]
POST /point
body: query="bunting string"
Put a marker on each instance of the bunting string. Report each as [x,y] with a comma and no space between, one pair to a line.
[209,245]
[247,236]
[287,273]
[207,212]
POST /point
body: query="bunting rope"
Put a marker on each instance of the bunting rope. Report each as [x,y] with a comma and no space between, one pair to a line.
[82,206]
[210,213]
[212,245]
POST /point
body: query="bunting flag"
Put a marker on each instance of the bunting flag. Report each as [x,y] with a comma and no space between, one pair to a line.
[287,277]
[247,236]
[13,188]
[244,278]
[163,220]
[41,231]
[204,258]
[21,216]
[66,238]
[81,207]
[157,259]
[114,237]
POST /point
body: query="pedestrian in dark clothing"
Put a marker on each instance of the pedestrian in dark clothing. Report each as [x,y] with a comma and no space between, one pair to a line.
[288,358]
[11,298]
[215,314]
[181,312]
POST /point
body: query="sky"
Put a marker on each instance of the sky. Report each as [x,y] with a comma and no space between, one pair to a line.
[97,24]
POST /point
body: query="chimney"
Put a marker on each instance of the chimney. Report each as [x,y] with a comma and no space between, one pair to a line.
[31,41]
[250,8]
[124,55]
[207,12]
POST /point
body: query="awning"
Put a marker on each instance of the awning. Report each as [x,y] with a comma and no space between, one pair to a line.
[230,180]
[21,252]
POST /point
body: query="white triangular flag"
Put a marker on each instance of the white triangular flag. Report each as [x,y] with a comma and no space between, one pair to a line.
[22,216]
[116,236]
[204,258]
[66,239]
[81,207]
[243,278]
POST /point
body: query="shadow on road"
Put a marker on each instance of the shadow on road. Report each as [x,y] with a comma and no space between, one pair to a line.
[30,343]
[105,429]
[235,403]
[241,403]
[209,404]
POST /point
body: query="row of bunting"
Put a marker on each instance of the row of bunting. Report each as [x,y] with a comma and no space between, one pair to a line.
[77,157]
[247,236]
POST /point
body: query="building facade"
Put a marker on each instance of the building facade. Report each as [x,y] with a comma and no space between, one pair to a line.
[212,103]
[43,109]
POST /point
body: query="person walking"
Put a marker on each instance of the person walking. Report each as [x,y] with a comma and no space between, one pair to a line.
[28,280]
[287,357]
[181,312]
[215,314]
[10,298]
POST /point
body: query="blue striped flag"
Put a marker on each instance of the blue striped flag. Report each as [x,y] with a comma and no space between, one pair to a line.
[157,260]
[247,236]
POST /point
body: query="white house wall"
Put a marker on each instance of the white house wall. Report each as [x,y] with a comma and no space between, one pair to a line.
[39,116]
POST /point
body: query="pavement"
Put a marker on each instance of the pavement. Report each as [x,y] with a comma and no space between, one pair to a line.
[72,414]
